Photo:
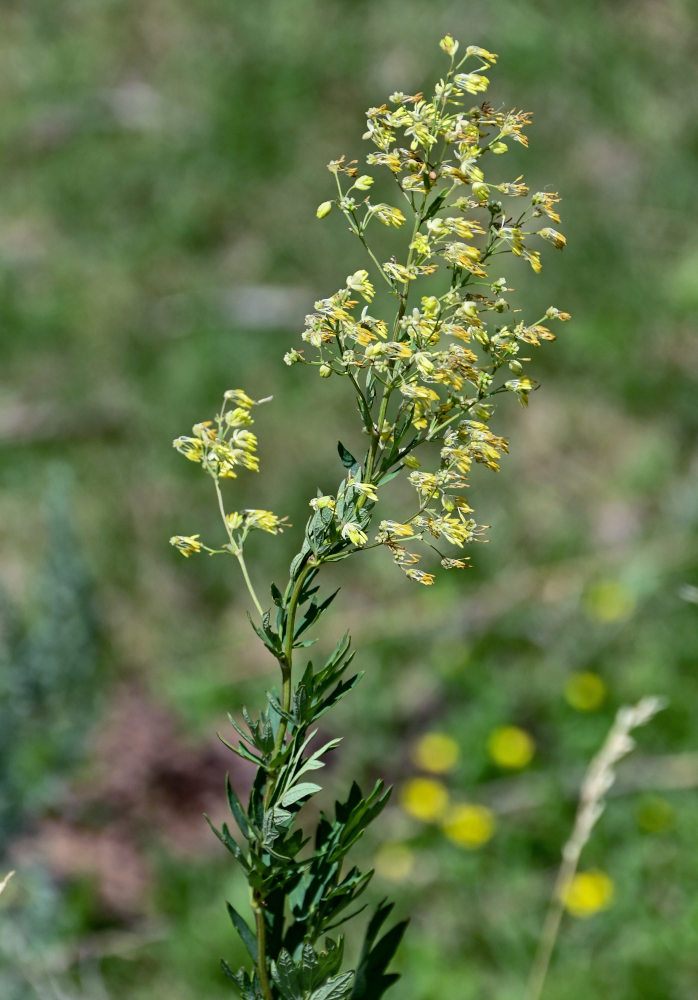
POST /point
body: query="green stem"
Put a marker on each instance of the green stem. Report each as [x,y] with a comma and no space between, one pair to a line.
[286,662]
[261,929]
[237,551]
[248,582]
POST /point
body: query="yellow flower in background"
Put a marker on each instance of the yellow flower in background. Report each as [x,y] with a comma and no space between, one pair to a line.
[511,747]
[655,815]
[469,825]
[585,691]
[424,799]
[609,601]
[436,752]
[394,861]
[588,893]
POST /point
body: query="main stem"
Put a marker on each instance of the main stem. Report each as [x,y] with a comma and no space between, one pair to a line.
[286,664]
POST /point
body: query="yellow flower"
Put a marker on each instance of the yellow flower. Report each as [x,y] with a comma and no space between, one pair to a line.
[358,282]
[472,83]
[395,528]
[366,489]
[265,521]
[353,532]
[469,825]
[394,861]
[424,799]
[419,576]
[186,544]
[476,50]
[585,691]
[588,893]
[609,601]
[191,448]
[388,215]
[319,503]
[239,397]
[557,239]
[511,747]
[436,752]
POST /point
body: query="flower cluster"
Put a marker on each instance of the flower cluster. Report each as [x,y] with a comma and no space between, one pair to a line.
[222,446]
[430,372]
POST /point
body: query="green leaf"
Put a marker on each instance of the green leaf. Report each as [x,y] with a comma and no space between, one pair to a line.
[246,935]
[348,460]
[336,988]
[388,476]
[300,791]
[285,975]
[227,840]
[371,978]
[236,808]
[435,205]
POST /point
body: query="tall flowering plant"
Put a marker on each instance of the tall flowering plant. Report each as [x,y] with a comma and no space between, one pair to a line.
[426,362]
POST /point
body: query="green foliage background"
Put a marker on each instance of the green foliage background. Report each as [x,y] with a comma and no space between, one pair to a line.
[161,167]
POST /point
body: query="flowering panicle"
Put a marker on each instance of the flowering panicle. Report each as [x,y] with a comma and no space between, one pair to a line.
[430,373]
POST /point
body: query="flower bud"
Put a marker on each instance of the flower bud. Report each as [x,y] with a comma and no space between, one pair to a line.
[481,191]
[411,462]
[325,371]
[364,182]
[324,209]
[499,148]
[449,45]
[515,366]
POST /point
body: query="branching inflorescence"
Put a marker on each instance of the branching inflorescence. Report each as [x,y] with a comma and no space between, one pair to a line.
[429,374]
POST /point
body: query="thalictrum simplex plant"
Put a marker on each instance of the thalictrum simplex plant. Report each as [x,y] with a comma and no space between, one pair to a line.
[425,362]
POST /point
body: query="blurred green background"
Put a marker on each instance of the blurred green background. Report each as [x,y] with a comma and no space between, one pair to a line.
[161,166]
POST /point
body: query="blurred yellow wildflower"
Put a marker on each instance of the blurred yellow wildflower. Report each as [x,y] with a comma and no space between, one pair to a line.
[424,799]
[469,825]
[609,601]
[588,893]
[394,861]
[511,747]
[585,691]
[436,752]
